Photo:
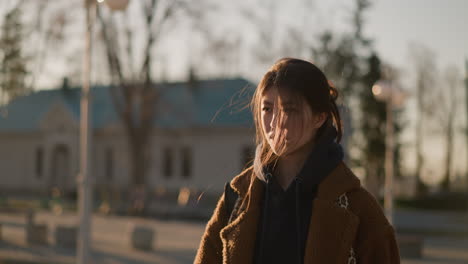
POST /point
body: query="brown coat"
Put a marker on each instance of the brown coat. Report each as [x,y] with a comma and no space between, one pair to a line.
[333,230]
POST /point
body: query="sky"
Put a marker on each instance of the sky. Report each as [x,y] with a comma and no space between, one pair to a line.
[392,24]
[440,25]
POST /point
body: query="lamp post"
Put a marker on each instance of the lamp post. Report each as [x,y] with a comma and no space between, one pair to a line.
[84,178]
[393,97]
[466,131]
[84,183]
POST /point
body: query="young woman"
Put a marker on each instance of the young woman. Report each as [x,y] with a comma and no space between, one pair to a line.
[298,203]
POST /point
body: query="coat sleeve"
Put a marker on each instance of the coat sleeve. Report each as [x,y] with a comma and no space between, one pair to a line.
[380,247]
[210,250]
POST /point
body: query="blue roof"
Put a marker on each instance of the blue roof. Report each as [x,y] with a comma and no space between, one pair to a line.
[207,103]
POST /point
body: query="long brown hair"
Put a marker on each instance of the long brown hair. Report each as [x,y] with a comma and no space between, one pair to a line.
[304,82]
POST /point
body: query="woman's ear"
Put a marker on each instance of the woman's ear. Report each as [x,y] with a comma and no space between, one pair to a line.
[319,120]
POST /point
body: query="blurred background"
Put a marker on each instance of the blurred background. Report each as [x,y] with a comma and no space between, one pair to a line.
[122,120]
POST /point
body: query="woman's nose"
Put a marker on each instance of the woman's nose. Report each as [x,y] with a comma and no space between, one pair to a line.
[275,119]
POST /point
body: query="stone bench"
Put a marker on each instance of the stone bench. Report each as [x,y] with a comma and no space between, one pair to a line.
[66,236]
[411,246]
[142,238]
[36,234]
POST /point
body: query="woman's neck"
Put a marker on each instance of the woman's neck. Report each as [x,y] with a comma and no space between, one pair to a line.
[289,166]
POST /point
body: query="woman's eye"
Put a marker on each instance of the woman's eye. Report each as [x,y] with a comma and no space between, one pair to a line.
[266,109]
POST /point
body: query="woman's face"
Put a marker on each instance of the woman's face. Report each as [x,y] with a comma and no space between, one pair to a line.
[287,126]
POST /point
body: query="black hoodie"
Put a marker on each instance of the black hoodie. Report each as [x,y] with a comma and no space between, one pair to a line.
[282,231]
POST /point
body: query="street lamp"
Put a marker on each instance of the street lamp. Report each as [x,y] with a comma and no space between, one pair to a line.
[466,104]
[394,97]
[466,131]
[84,179]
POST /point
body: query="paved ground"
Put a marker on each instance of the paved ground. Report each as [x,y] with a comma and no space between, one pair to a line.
[177,241]
[449,223]
[443,250]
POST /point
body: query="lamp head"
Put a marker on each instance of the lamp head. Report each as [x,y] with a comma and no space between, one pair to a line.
[387,92]
[115,5]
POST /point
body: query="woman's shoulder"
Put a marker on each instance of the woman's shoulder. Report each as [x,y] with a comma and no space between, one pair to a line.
[372,220]
[363,204]
[240,183]
[375,238]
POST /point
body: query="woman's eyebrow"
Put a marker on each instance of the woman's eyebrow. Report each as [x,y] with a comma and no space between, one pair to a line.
[288,103]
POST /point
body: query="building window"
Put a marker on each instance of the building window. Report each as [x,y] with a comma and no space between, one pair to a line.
[247,156]
[186,162]
[167,162]
[39,162]
[109,164]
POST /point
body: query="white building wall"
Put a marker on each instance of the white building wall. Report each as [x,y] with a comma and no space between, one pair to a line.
[115,141]
[17,161]
[216,158]
[70,140]
[60,127]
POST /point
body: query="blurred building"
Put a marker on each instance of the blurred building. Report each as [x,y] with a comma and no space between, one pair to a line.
[201,138]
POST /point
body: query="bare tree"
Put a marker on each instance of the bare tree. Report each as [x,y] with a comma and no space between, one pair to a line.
[224,50]
[425,71]
[44,32]
[446,114]
[134,93]
[47,33]
[264,21]
[13,63]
